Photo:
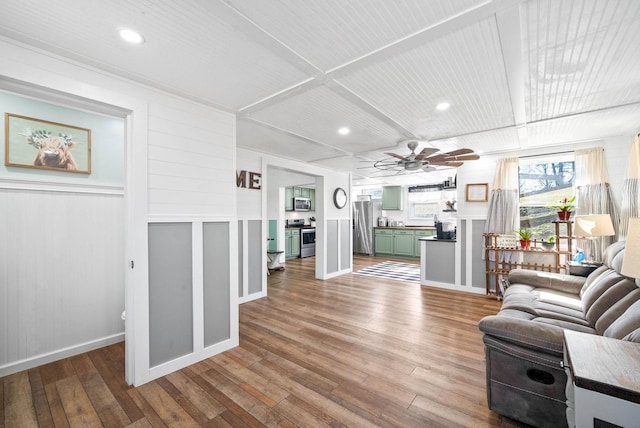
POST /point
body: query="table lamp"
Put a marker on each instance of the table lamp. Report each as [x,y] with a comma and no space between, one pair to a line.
[631,261]
[592,227]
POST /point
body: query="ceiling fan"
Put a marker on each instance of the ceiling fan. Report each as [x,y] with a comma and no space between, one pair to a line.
[427,159]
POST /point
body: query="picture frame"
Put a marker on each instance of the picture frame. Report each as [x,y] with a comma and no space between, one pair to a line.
[506,241]
[43,144]
[477,192]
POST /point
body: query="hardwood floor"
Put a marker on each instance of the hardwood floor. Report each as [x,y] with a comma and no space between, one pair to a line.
[350,351]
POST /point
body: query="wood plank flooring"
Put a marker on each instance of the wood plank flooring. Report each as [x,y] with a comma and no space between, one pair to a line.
[353,351]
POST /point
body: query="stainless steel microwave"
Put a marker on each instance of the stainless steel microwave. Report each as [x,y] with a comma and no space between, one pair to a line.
[301,204]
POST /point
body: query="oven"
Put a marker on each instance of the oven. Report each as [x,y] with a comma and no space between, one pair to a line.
[307,242]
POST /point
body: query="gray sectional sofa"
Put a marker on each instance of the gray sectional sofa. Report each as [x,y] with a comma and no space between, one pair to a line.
[524,341]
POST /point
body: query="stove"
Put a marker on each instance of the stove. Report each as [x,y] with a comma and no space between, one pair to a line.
[307,237]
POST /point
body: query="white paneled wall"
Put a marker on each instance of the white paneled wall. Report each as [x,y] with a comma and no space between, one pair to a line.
[191,153]
[180,166]
[61,274]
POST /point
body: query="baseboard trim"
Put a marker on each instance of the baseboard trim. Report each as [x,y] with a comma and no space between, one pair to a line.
[39,360]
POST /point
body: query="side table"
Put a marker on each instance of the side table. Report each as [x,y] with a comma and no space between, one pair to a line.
[603,381]
[582,269]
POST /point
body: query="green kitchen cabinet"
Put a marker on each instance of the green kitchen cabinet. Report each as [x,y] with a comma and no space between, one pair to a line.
[383,241]
[288,198]
[298,192]
[399,242]
[295,243]
[392,198]
[403,243]
[292,243]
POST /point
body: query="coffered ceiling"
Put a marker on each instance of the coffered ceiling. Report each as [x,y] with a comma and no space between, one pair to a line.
[517,74]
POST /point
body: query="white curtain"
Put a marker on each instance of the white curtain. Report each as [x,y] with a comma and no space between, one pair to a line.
[630,206]
[504,213]
[594,194]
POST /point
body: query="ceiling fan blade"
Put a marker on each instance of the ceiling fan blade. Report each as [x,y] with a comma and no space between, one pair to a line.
[447,163]
[437,158]
[459,152]
[397,156]
[465,158]
[427,151]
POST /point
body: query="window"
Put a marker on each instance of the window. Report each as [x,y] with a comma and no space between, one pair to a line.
[543,182]
[376,194]
[425,201]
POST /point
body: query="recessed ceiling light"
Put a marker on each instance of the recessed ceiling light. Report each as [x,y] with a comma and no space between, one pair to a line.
[443,106]
[131,36]
[344,130]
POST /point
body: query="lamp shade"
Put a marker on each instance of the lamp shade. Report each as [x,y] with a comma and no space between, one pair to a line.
[631,261]
[593,225]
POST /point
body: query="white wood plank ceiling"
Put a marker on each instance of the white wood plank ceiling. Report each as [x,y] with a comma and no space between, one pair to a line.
[517,74]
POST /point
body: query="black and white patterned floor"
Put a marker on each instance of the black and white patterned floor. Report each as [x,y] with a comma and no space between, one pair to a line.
[393,270]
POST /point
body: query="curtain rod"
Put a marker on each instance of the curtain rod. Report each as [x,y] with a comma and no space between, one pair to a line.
[554,153]
[546,154]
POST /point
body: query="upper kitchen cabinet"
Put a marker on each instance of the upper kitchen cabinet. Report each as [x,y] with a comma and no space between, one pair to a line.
[298,192]
[392,198]
[288,198]
[312,196]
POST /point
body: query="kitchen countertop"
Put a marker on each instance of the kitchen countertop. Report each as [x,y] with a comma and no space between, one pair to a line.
[434,239]
[407,227]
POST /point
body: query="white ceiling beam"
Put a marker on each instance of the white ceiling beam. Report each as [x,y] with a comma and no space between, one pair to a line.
[509,31]
[225,11]
[432,32]
[293,134]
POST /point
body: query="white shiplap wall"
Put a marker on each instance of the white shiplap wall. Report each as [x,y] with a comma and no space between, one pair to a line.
[61,274]
[191,154]
[181,161]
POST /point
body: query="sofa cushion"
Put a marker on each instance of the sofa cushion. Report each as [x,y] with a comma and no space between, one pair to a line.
[558,298]
[560,313]
[567,325]
[609,298]
[616,310]
[627,325]
[548,280]
[593,289]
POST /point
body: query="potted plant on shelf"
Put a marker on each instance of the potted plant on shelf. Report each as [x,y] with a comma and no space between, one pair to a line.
[525,236]
[564,208]
[549,243]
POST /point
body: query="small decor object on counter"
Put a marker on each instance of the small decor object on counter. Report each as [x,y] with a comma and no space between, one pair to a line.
[525,237]
[312,221]
[564,208]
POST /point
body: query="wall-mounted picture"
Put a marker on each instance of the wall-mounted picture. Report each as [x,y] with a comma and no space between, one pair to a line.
[41,144]
[477,192]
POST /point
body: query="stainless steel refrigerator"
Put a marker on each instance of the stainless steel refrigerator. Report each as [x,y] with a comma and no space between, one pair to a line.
[364,215]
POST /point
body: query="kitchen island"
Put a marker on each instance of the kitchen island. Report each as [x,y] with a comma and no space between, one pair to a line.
[437,262]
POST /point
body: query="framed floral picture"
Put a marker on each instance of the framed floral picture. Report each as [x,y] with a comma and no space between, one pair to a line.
[41,144]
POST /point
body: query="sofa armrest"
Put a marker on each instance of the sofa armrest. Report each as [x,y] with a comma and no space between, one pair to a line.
[566,283]
[543,337]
